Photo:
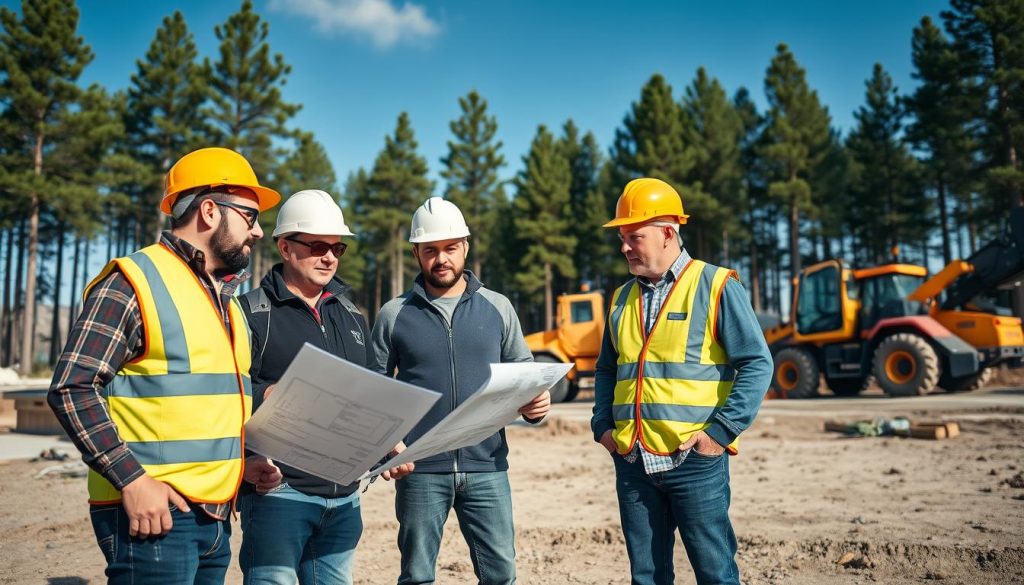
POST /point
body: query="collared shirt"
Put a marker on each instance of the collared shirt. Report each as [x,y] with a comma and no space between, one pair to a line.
[108,334]
[654,295]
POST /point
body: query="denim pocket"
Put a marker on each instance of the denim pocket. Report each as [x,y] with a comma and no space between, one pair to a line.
[104,525]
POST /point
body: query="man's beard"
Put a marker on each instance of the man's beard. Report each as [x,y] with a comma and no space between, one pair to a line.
[438,282]
[233,258]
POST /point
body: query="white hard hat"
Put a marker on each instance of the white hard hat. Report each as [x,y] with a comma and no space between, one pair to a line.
[311,211]
[436,220]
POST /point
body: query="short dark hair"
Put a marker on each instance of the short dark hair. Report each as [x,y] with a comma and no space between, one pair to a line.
[204,193]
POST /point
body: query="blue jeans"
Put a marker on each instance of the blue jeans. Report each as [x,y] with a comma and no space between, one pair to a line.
[693,498]
[289,535]
[483,505]
[196,551]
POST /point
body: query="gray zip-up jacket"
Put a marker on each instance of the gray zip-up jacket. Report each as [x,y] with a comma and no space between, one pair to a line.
[413,337]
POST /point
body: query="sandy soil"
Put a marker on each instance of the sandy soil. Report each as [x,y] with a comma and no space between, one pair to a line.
[808,507]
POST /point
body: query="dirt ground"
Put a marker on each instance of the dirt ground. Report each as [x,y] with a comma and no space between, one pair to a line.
[809,508]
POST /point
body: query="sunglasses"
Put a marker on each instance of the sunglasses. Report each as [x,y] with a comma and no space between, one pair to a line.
[319,248]
[249,214]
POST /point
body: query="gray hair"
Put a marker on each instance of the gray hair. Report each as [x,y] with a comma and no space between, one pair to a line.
[671,224]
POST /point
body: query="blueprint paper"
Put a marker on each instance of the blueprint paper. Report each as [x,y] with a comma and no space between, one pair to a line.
[495,405]
[334,419]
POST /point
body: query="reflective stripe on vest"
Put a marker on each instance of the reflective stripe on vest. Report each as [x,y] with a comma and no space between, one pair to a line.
[180,406]
[674,380]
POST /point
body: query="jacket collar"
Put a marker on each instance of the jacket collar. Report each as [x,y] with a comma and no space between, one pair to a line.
[472,285]
[275,286]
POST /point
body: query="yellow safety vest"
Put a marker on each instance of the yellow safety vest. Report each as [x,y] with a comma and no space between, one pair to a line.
[182,404]
[671,380]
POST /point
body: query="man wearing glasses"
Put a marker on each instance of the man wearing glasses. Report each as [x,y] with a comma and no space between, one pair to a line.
[153,385]
[305,527]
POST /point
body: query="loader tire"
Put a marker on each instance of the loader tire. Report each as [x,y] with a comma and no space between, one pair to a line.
[966,383]
[905,364]
[560,391]
[796,373]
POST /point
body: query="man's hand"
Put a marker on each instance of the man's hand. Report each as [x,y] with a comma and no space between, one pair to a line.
[400,471]
[268,390]
[146,502]
[262,473]
[538,407]
[608,442]
[705,445]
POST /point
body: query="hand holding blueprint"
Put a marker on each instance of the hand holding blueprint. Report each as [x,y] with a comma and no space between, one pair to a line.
[333,419]
[494,406]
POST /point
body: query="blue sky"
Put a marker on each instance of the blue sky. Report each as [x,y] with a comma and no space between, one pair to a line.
[358,63]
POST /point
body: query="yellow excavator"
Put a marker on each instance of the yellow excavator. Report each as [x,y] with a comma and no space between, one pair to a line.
[891,323]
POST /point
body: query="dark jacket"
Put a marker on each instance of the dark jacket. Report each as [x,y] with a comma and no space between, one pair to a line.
[279,332]
[412,337]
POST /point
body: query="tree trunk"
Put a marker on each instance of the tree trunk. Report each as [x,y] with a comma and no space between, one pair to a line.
[972,230]
[8,309]
[28,328]
[944,222]
[794,238]
[755,275]
[548,318]
[378,284]
[19,295]
[73,289]
[55,337]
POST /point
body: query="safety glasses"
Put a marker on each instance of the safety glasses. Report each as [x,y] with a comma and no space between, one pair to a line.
[319,248]
[248,213]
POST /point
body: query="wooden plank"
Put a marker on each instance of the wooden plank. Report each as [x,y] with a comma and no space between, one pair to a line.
[928,432]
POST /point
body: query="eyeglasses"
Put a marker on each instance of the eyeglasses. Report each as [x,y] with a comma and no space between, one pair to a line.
[248,213]
[319,248]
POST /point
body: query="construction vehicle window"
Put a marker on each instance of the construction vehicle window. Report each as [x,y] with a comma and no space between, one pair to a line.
[818,308]
[852,290]
[582,312]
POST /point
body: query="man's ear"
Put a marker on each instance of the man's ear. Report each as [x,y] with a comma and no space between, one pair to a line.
[209,215]
[467,246]
[416,252]
[282,247]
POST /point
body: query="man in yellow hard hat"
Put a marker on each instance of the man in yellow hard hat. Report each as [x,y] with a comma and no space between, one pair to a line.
[682,371]
[153,385]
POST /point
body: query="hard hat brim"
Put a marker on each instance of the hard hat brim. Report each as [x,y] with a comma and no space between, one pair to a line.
[266,198]
[621,221]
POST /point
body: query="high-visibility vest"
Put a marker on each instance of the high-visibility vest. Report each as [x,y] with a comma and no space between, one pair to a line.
[182,404]
[672,380]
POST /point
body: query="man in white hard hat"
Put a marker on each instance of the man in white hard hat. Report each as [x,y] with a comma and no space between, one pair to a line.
[443,335]
[303,527]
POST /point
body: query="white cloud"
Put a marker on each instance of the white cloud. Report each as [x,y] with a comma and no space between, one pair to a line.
[385,24]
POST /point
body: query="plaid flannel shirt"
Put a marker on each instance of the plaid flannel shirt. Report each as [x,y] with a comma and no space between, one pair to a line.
[108,334]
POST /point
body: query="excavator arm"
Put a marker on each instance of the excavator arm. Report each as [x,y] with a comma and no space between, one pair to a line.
[998,262]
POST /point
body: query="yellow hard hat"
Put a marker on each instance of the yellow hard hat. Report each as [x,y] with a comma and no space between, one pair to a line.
[214,167]
[645,199]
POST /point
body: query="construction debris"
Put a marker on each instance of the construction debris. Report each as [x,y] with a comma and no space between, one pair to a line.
[895,427]
[76,469]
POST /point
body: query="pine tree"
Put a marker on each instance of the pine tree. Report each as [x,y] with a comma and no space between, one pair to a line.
[889,204]
[248,111]
[651,141]
[587,208]
[164,113]
[713,192]
[398,185]
[42,57]
[471,169]
[940,126]
[795,139]
[989,39]
[755,183]
[542,219]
